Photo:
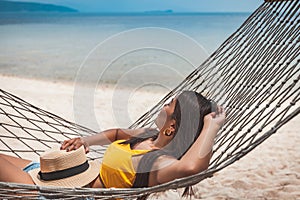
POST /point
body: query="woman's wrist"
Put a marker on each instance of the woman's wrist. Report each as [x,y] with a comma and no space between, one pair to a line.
[85,142]
[211,126]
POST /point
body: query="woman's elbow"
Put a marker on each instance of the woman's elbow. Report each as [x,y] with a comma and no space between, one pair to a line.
[192,168]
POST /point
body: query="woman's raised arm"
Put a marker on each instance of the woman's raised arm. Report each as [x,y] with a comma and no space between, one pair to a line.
[197,158]
[102,138]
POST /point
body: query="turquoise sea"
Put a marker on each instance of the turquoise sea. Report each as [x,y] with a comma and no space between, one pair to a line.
[111,48]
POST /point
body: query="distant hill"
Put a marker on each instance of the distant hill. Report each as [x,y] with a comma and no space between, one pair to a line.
[15,6]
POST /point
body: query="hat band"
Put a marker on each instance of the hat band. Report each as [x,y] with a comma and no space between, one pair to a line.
[49,176]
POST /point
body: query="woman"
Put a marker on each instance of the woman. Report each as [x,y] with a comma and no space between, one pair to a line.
[146,157]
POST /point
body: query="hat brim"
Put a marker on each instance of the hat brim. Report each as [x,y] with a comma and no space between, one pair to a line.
[79,180]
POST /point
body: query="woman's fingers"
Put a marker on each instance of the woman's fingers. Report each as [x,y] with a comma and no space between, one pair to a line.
[221,116]
[209,116]
[213,114]
[87,149]
[66,144]
[220,110]
[74,144]
[71,144]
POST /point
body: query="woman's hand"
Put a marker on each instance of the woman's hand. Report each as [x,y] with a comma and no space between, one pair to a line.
[215,118]
[74,144]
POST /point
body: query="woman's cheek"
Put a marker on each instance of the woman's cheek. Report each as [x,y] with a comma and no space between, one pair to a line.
[161,119]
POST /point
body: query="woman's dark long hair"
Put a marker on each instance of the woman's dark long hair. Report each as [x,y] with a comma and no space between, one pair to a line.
[189,112]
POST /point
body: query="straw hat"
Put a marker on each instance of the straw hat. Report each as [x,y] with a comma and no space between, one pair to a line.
[66,169]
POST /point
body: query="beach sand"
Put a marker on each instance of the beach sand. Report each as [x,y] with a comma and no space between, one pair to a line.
[271,171]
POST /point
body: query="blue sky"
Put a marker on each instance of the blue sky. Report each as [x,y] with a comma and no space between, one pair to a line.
[150,5]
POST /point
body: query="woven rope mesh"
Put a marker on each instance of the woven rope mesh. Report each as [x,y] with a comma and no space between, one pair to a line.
[27,131]
[254,74]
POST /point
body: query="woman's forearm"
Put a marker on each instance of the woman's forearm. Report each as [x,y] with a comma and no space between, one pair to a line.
[198,156]
[111,135]
[102,138]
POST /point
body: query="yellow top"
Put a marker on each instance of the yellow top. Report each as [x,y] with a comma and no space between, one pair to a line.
[117,169]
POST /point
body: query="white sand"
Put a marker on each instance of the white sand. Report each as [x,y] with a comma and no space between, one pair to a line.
[271,171]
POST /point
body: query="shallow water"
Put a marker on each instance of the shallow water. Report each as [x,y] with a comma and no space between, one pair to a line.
[128,49]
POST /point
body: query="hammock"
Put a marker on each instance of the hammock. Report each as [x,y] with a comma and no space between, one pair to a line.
[254,74]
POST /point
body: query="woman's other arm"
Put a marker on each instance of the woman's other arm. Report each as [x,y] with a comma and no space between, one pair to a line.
[197,158]
[102,138]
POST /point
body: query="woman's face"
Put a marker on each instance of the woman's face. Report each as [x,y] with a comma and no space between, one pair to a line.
[163,119]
